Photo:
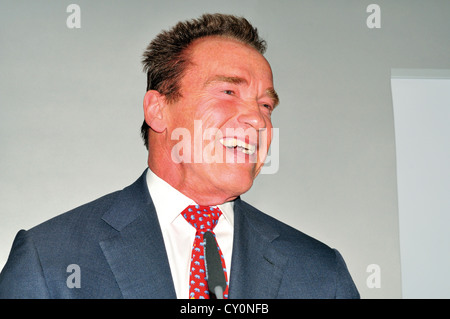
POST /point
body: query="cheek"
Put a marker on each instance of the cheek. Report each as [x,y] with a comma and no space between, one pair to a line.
[179,115]
[216,113]
[265,138]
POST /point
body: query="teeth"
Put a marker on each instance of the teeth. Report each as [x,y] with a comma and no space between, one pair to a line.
[242,146]
[229,142]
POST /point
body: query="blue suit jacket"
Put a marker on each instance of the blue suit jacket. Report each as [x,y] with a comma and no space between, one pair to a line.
[117,243]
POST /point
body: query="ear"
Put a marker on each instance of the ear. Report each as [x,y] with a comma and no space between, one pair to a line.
[153,105]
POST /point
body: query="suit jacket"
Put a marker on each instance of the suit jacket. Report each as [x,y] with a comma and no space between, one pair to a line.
[117,245]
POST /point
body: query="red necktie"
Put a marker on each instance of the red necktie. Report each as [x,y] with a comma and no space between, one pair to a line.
[203,219]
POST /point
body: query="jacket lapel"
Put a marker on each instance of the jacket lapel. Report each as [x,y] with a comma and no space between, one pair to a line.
[136,254]
[256,267]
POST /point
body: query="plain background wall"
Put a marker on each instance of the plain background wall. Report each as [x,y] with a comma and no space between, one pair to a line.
[71,109]
[422,134]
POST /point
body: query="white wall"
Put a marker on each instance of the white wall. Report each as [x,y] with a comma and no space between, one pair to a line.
[422,129]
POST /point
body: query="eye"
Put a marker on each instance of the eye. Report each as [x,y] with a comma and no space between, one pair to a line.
[267,106]
[228,92]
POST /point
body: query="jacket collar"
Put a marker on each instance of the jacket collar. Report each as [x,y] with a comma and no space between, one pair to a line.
[257,266]
[136,254]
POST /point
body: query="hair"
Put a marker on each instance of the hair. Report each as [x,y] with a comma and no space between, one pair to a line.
[165,59]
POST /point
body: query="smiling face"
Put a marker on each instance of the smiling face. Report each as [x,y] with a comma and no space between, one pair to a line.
[226,102]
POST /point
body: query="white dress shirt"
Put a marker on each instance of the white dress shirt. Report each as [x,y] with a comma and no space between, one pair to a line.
[179,235]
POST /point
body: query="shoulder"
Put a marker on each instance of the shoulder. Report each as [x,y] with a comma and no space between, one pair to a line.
[288,238]
[41,258]
[88,219]
[37,265]
[81,220]
[313,269]
[71,236]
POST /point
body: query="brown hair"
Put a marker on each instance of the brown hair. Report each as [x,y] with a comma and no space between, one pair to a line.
[165,60]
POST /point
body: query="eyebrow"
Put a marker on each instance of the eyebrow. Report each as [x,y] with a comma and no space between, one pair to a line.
[271,93]
[227,79]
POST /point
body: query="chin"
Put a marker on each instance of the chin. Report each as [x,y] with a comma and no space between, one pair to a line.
[236,182]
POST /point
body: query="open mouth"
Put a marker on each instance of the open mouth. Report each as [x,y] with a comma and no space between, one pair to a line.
[234,143]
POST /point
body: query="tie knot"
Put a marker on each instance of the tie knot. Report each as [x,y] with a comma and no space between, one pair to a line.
[202,218]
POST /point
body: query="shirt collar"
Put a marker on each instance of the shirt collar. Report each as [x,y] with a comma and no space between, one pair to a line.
[169,202]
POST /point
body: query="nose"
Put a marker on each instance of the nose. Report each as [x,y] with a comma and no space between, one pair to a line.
[250,114]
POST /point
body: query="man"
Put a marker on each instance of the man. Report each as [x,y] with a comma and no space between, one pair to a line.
[207,127]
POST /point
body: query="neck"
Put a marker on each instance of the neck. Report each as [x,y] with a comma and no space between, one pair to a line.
[206,195]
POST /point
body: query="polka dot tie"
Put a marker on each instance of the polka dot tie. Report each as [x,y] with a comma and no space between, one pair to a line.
[203,219]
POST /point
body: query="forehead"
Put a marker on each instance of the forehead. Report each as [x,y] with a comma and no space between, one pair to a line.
[219,55]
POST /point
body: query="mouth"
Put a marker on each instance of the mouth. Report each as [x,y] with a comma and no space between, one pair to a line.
[234,143]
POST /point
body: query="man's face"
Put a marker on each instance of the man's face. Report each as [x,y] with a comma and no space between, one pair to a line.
[227,98]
